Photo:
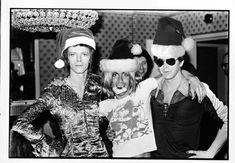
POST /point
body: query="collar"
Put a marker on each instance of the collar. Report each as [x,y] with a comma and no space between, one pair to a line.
[183,88]
[181,92]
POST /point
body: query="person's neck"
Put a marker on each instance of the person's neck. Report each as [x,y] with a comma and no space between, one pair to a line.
[77,79]
[121,97]
[172,84]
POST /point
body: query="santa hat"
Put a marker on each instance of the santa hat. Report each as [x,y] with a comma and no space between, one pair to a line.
[121,58]
[170,39]
[71,37]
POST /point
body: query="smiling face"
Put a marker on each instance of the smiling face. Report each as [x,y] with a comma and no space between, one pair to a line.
[78,59]
[142,66]
[121,84]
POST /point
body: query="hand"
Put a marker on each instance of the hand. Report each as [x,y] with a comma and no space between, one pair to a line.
[197,88]
[200,154]
[110,134]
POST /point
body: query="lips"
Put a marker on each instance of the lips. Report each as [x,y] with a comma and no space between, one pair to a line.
[119,90]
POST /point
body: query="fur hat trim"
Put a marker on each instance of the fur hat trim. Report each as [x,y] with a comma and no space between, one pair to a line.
[118,65]
[79,40]
[167,50]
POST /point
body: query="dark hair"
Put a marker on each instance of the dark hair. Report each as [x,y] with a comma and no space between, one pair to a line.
[65,57]
[149,60]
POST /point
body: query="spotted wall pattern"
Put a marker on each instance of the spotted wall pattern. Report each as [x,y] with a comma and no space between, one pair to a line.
[194,24]
[144,27]
[47,52]
[136,27]
[115,26]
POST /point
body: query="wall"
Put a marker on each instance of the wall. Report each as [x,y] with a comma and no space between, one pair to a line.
[194,24]
[137,27]
[47,58]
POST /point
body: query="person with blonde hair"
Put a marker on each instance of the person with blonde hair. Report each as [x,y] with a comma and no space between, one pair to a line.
[176,116]
[128,107]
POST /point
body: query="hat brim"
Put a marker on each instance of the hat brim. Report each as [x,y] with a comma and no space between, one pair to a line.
[167,50]
[79,40]
[118,65]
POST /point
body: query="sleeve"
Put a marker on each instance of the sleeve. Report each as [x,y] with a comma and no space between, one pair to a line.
[105,107]
[220,108]
[27,124]
[149,84]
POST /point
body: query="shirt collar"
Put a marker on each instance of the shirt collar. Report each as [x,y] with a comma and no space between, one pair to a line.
[181,92]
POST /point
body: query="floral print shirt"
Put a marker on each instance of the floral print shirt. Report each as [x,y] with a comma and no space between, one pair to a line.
[77,118]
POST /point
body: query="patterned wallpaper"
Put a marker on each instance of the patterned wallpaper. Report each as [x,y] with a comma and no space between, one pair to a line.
[193,22]
[47,58]
[136,27]
[115,26]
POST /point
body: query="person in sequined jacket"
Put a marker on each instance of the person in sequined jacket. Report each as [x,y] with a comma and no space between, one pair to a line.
[176,116]
[74,104]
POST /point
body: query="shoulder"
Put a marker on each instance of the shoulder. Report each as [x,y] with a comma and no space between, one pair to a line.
[94,79]
[152,80]
[110,103]
[54,89]
[205,85]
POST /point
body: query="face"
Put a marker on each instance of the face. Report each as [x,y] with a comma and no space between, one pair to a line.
[168,66]
[78,58]
[142,66]
[224,65]
[120,84]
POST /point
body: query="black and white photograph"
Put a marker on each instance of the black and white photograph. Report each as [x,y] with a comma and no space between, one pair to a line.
[107,83]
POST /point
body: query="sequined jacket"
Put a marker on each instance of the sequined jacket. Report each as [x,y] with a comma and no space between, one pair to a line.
[77,119]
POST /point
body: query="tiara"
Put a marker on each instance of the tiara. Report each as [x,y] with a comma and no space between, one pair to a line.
[51,20]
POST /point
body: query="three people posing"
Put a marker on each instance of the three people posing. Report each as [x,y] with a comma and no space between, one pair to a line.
[77,102]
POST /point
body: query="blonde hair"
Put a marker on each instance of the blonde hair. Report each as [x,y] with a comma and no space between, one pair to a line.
[107,84]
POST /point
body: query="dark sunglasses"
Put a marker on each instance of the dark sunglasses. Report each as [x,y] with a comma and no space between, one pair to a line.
[170,61]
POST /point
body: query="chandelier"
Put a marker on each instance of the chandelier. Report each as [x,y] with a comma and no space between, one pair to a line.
[51,20]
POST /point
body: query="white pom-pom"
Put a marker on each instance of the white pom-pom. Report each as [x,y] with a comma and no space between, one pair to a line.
[188,43]
[136,49]
[59,63]
[154,50]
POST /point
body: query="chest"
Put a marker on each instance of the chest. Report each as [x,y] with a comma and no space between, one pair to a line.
[184,111]
[70,109]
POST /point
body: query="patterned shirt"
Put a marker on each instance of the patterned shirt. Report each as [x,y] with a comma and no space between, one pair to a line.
[77,118]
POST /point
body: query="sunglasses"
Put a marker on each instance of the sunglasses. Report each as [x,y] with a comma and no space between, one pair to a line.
[170,61]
